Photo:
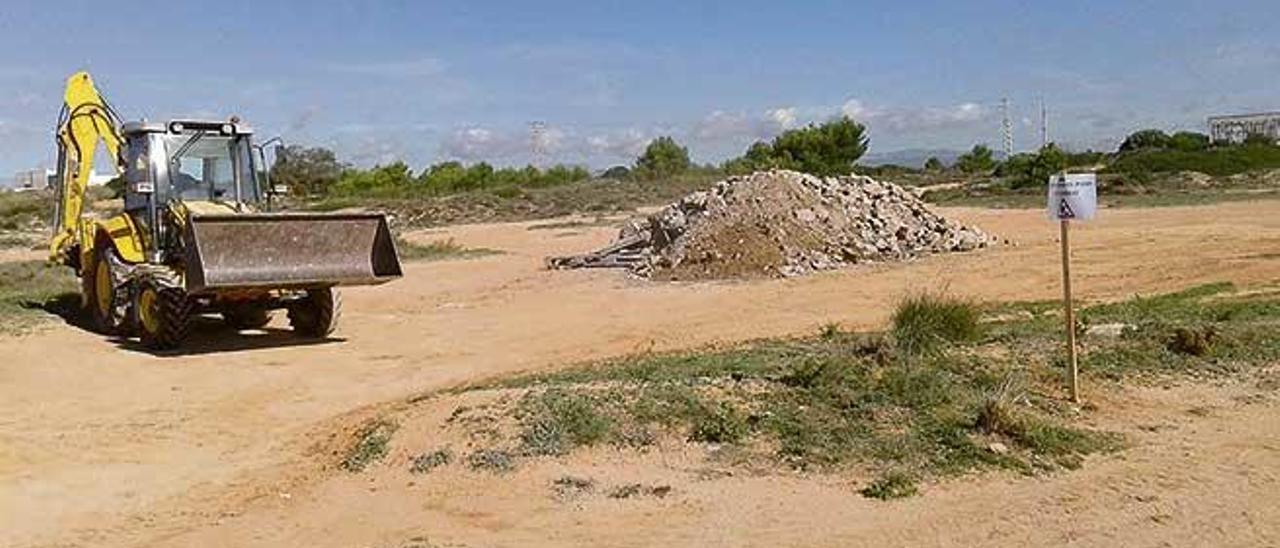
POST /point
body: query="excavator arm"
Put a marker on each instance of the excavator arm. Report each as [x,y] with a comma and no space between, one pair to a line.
[86,120]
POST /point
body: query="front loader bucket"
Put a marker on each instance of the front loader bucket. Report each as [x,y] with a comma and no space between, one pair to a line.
[288,250]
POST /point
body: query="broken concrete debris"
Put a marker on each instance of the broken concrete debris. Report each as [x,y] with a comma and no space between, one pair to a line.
[781,224]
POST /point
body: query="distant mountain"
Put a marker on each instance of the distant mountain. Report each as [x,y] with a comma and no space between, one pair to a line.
[912,157]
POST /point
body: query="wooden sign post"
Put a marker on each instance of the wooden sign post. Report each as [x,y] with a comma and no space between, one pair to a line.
[1071,197]
[1070,313]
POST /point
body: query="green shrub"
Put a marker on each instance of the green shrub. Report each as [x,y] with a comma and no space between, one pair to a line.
[427,462]
[925,322]
[891,485]
[664,157]
[370,447]
[832,148]
[980,159]
[719,424]
[1219,161]
[555,421]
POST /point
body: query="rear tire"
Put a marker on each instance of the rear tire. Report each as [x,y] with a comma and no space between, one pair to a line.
[106,292]
[246,317]
[316,314]
[164,311]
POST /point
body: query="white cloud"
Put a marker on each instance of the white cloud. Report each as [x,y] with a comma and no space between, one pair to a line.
[785,118]
[480,143]
[738,126]
[907,120]
[625,144]
[477,143]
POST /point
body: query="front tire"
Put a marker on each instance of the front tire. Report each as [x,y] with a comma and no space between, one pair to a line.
[316,314]
[164,311]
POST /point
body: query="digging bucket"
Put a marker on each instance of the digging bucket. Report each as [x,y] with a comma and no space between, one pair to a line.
[289,250]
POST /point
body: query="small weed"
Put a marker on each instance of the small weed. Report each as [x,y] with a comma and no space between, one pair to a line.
[567,487]
[427,462]
[370,446]
[924,323]
[892,485]
[719,424]
[437,250]
[1192,341]
[556,421]
[632,490]
[634,437]
[830,331]
[492,460]
[996,414]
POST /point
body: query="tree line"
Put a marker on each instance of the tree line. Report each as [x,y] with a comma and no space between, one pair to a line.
[829,148]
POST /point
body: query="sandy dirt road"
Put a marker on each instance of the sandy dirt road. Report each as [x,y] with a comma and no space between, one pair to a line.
[102,444]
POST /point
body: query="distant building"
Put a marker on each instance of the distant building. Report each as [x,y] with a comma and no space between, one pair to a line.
[31,179]
[39,179]
[1235,128]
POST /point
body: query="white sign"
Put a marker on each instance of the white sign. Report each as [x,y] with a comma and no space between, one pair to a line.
[1073,197]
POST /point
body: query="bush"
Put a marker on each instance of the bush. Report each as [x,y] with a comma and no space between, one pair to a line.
[307,171]
[1219,161]
[1032,170]
[664,157]
[1192,341]
[923,323]
[398,181]
[719,424]
[370,447]
[616,172]
[892,485]
[1146,139]
[556,421]
[1188,141]
[979,159]
[427,462]
[832,148]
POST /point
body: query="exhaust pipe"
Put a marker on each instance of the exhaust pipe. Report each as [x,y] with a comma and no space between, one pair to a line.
[288,250]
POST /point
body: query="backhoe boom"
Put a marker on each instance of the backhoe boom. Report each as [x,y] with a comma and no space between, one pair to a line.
[86,120]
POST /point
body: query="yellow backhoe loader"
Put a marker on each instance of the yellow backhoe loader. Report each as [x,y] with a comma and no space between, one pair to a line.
[197,235]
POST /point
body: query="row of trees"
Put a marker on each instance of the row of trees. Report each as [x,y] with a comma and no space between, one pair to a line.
[1140,154]
[831,148]
[317,172]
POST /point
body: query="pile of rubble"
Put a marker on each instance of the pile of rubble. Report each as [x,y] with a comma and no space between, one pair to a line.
[780,223]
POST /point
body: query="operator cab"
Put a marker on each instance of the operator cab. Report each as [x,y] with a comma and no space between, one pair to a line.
[191,161]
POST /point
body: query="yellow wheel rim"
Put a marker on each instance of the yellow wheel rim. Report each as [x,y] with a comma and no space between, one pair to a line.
[147,311]
[103,288]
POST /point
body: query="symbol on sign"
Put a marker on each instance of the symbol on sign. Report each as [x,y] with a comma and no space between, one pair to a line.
[1064,210]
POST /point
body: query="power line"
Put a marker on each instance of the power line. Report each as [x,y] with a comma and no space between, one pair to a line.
[1006,127]
[538,143]
[1044,123]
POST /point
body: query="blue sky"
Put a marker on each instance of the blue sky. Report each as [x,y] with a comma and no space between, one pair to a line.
[426,81]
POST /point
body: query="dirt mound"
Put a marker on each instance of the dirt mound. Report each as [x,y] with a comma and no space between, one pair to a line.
[780,223]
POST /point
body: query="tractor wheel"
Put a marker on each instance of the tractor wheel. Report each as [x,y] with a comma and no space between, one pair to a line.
[164,311]
[106,292]
[246,316]
[316,314]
